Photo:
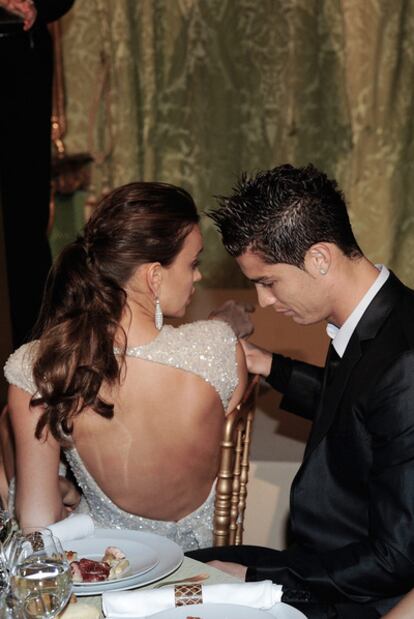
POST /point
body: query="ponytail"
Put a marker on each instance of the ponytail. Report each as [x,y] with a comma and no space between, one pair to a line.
[78,321]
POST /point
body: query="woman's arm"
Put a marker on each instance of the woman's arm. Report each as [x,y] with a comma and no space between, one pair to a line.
[38,497]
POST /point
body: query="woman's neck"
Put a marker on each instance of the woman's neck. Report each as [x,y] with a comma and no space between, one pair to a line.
[138,324]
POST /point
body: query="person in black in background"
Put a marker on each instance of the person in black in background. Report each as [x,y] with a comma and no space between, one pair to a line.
[26,61]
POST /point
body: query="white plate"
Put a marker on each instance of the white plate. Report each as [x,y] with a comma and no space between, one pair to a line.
[284,611]
[168,554]
[229,611]
[213,611]
[141,557]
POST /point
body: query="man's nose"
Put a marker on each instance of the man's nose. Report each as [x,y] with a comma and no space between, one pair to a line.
[265,296]
[197,275]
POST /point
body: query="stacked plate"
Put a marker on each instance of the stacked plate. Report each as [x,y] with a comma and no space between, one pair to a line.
[230,611]
[151,557]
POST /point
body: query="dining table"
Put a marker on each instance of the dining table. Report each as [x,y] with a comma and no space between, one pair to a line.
[156,561]
[188,569]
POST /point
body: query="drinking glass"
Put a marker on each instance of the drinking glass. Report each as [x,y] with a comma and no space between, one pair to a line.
[4,574]
[26,533]
[40,575]
[6,525]
[10,607]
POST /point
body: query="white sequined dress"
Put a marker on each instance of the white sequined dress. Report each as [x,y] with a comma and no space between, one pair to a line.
[205,348]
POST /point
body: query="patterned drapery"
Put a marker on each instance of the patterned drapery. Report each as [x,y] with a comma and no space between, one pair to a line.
[194,91]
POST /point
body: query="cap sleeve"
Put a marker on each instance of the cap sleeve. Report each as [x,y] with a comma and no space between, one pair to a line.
[211,344]
[19,367]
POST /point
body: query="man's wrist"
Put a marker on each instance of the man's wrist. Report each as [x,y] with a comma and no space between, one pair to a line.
[266,363]
[280,372]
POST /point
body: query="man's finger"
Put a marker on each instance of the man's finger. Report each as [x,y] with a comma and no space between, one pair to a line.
[248,307]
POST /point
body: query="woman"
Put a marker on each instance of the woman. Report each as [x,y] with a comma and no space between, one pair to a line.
[137,406]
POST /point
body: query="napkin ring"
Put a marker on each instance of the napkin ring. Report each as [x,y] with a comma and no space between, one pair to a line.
[186,595]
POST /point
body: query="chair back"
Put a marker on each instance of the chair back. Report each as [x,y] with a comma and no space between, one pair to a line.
[233,475]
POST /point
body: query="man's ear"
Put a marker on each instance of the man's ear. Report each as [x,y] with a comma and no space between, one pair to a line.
[154,278]
[318,259]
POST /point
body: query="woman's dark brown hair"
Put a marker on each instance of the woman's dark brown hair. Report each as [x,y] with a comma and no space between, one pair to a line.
[85,296]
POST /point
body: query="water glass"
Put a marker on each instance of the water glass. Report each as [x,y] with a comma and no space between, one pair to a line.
[10,607]
[40,575]
[6,526]
[4,574]
[32,534]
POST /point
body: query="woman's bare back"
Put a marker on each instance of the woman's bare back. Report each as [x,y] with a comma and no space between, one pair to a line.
[158,456]
[161,447]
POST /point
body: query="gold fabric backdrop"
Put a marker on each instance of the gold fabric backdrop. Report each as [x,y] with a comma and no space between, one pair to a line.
[194,91]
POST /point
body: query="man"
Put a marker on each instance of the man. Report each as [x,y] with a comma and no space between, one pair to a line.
[26,61]
[352,501]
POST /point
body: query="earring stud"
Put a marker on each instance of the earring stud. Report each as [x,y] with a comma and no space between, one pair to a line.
[322,271]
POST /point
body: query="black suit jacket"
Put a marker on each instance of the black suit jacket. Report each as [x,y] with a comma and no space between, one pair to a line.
[352,501]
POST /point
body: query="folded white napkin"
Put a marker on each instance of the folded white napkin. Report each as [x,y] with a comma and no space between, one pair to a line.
[73,527]
[140,603]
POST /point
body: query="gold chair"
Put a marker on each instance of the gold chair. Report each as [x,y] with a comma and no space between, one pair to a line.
[232,478]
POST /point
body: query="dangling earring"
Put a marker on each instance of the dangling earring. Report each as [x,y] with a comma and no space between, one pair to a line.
[159,317]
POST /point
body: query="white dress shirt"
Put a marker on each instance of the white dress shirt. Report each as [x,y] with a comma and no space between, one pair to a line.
[340,336]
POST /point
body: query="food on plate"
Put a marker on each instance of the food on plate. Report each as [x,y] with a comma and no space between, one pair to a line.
[112,565]
[116,561]
[112,553]
[71,555]
[88,570]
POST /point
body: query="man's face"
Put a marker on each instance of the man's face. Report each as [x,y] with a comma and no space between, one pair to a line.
[300,294]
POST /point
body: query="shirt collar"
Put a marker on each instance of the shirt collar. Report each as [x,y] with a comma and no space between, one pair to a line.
[340,336]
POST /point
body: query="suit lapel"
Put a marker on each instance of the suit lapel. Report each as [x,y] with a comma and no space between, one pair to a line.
[367,328]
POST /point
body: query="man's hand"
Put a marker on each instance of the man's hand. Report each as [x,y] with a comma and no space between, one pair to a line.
[70,496]
[236,314]
[234,569]
[258,360]
[24,8]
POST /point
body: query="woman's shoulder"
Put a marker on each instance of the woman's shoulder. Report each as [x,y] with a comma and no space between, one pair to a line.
[215,332]
[18,369]
[208,348]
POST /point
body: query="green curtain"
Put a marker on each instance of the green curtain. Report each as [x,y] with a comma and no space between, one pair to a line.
[195,91]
